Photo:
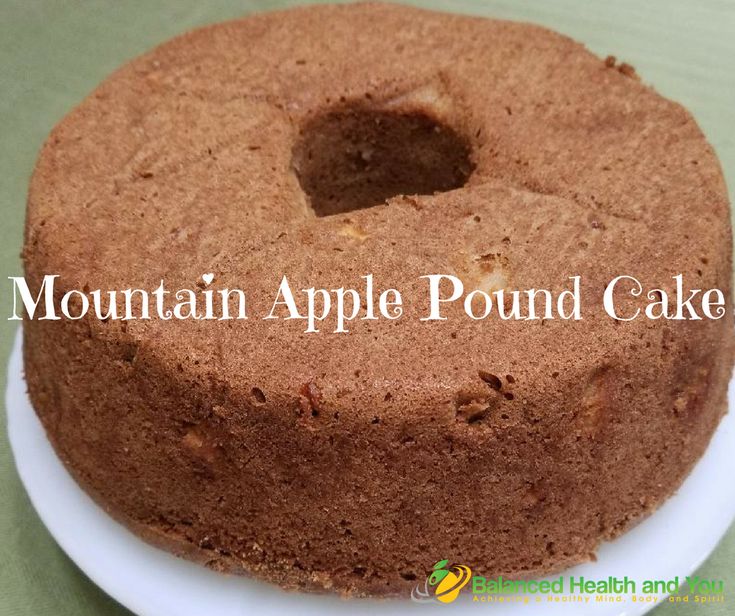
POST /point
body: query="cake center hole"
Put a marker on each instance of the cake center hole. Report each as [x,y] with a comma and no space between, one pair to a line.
[357,158]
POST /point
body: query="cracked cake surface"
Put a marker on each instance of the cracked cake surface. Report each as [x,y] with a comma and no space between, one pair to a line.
[332,142]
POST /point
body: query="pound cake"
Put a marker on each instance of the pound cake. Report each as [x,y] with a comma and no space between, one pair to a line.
[334,142]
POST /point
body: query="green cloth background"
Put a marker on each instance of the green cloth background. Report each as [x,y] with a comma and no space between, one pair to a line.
[53,53]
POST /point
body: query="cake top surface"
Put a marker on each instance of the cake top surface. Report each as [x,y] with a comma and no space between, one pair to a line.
[249,149]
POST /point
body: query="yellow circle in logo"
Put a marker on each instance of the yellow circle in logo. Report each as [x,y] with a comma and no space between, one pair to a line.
[448,589]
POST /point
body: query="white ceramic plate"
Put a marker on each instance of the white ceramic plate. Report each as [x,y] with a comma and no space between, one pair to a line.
[151,582]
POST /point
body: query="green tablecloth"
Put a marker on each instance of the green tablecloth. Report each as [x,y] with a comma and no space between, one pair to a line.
[53,53]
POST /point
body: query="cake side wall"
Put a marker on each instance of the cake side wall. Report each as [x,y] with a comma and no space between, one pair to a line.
[362,508]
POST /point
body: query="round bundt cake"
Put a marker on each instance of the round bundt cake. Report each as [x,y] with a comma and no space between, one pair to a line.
[330,143]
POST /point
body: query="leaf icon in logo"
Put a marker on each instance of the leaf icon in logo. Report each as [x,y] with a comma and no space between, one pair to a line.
[439,573]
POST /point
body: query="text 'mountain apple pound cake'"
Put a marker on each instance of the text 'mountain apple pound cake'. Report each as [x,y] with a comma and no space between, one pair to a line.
[333,142]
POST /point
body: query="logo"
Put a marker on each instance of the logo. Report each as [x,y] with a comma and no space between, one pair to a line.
[443,584]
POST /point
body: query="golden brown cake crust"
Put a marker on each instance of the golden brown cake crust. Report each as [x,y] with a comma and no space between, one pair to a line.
[353,462]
